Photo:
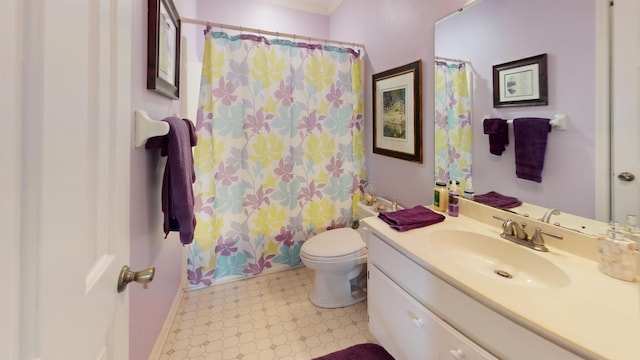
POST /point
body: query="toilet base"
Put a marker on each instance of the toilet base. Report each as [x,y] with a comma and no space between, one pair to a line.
[334,291]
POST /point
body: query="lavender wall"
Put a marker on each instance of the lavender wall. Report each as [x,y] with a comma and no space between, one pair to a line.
[258,15]
[527,29]
[396,33]
[149,307]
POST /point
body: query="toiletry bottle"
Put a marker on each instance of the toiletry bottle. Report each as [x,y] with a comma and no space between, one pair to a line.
[631,223]
[468,191]
[444,199]
[453,199]
[632,231]
[438,195]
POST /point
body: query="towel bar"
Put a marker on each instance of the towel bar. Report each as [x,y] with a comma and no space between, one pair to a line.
[559,121]
[147,128]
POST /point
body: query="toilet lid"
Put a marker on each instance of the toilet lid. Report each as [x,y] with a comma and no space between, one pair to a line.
[332,243]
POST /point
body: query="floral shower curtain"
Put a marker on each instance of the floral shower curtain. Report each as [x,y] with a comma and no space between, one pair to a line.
[280,154]
[452,123]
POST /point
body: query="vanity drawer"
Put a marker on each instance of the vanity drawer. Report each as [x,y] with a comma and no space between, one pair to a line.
[403,326]
[409,275]
[455,346]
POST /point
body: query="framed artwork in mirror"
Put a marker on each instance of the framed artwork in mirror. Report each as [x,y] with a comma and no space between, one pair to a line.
[397,117]
[521,83]
[163,48]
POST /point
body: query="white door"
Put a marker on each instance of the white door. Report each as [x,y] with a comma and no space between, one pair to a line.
[625,105]
[66,87]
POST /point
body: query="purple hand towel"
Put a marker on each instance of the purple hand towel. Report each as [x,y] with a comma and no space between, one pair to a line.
[497,200]
[498,131]
[179,175]
[407,219]
[530,146]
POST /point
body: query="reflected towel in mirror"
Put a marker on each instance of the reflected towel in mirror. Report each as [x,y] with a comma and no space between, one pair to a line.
[497,200]
[498,131]
[530,136]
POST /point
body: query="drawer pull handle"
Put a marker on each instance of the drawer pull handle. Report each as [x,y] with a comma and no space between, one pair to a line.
[457,354]
[417,321]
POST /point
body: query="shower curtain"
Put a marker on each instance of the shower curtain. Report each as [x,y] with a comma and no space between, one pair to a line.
[452,123]
[280,154]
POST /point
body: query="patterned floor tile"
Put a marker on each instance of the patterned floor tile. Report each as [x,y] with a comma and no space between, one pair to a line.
[266,317]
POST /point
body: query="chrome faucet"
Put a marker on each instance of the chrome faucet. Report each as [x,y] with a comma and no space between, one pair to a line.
[515,232]
[547,215]
[512,228]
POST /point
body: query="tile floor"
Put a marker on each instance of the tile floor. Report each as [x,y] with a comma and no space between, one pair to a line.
[266,317]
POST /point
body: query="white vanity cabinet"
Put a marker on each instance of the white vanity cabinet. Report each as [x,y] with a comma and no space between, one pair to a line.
[408,330]
[417,315]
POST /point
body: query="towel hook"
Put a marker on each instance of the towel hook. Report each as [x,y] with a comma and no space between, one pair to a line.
[147,128]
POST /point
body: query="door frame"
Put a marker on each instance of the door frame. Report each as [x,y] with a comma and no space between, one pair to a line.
[602,136]
[11,21]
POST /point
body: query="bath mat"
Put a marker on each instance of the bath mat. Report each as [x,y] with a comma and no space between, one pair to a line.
[359,352]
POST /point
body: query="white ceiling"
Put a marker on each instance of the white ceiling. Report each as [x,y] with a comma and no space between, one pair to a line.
[324,7]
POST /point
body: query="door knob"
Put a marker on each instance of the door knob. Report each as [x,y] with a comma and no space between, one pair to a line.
[626,176]
[143,277]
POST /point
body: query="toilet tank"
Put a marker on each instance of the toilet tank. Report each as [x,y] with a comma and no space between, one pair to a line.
[366,211]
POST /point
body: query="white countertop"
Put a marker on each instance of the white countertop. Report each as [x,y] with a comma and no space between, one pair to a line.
[595,316]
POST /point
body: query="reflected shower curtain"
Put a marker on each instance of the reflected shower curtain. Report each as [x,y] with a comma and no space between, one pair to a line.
[452,123]
[280,154]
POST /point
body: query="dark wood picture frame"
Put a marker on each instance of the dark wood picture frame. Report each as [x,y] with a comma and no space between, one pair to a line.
[163,48]
[397,112]
[521,83]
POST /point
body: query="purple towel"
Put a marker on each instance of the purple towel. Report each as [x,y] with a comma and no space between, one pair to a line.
[179,175]
[530,146]
[498,131]
[359,352]
[407,219]
[497,200]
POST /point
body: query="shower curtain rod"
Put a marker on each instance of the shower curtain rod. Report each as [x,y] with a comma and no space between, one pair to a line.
[450,59]
[266,32]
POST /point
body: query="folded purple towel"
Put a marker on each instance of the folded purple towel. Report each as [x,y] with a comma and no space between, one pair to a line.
[497,200]
[530,146]
[413,218]
[498,131]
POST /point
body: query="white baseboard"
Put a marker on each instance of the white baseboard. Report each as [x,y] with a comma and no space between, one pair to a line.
[168,321]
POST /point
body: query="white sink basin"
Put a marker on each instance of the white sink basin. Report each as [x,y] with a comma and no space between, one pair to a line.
[498,259]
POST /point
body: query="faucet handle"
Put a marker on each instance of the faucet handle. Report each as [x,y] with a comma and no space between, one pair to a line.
[538,241]
[540,232]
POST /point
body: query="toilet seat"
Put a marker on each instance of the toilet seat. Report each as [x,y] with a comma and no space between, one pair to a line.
[334,245]
[336,259]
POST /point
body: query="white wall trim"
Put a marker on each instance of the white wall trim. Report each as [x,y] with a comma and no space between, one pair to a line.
[10,181]
[603,124]
[316,7]
[168,321]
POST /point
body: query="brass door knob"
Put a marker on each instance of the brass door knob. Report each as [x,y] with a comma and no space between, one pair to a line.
[626,176]
[143,277]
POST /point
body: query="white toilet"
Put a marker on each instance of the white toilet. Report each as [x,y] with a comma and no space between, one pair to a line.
[339,259]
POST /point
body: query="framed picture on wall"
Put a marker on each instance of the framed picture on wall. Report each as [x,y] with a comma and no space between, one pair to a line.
[397,117]
[521,83]
[163,48]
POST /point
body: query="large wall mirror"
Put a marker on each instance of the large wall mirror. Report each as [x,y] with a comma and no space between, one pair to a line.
[575,177]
